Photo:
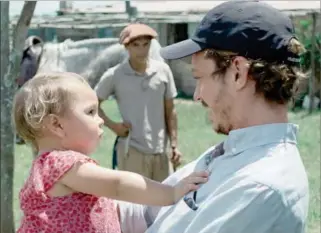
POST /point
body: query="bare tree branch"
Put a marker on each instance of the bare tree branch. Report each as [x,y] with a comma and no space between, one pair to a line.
[19,36]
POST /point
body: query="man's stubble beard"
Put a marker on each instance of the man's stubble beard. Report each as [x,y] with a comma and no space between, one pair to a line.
[223,126]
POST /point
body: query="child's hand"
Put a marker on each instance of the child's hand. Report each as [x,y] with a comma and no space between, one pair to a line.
[189,183]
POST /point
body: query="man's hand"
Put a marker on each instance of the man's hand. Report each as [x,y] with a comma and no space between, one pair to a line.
[121,129]
[176,157]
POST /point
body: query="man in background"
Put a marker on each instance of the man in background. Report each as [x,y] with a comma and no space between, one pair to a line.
[144,90]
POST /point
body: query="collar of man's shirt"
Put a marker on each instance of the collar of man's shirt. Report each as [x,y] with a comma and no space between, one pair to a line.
[242,139]
[150,71]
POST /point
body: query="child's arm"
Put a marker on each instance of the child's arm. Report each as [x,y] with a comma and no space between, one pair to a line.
[127,186]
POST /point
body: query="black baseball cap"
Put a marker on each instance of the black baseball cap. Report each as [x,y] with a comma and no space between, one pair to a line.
[252,29]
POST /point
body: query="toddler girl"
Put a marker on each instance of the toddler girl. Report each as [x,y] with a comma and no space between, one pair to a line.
[67,191]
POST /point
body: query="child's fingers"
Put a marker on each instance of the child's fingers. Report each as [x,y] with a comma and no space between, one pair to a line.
[193,187]
[200,174]
[197,180]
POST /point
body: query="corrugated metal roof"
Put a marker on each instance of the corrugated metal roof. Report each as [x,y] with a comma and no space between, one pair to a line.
[163,7]
[168,6]
[156,11]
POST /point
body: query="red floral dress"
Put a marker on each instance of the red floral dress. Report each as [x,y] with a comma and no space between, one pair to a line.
[75,213]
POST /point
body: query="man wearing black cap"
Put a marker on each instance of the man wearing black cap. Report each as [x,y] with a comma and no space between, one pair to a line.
[245,58]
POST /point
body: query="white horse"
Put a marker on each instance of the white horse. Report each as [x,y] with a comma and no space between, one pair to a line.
[89,58]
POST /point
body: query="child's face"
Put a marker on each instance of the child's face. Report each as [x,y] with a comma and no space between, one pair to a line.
[82,125]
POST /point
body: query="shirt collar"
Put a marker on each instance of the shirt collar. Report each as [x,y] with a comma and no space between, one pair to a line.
[242,139]
[150,71]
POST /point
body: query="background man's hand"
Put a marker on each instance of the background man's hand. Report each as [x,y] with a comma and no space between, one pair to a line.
[176,157]
[121,129]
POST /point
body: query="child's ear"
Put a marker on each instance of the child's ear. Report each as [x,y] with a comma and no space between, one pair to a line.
[53,123]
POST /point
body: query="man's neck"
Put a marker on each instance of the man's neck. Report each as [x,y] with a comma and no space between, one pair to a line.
[138,66]
[261,114]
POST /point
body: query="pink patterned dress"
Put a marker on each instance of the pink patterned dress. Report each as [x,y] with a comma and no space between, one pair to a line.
[75,213]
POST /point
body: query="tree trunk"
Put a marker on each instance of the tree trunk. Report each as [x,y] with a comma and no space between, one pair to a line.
[10,68]
[7,222]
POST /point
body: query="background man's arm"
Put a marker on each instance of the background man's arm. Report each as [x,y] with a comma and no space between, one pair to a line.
[107,121]
[104,89]
[171,121]
[171,117]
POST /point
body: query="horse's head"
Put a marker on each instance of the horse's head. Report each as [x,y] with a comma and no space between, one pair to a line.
[30,58]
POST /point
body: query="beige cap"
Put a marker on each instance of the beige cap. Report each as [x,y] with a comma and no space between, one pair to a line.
[134,31]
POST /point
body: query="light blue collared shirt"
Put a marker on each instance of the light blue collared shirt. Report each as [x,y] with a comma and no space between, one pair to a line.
[258,185]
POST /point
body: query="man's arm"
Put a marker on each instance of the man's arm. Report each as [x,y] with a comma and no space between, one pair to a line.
[170,112]
[171,121]
[105,88]
[107,121]
[171,117]
[120,129]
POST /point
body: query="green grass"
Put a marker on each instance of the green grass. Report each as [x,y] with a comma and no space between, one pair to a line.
[196,135]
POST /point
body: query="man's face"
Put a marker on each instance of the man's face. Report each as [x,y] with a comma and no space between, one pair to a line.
[215,91]
[138,49]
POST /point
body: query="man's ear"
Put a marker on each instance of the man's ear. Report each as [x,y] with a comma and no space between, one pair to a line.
[241,66]
[54,124]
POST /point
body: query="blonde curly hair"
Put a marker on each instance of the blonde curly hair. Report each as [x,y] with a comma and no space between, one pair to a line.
[44,94]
